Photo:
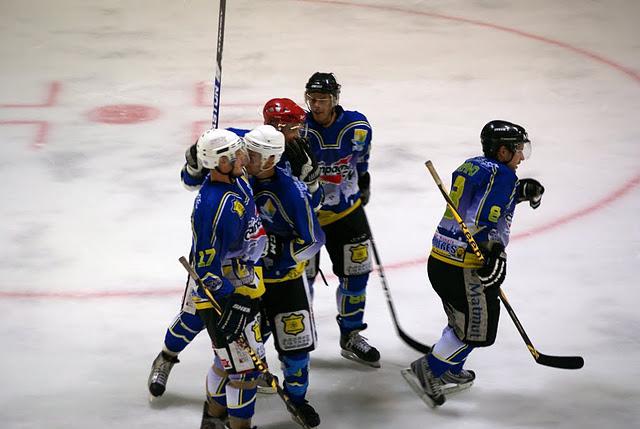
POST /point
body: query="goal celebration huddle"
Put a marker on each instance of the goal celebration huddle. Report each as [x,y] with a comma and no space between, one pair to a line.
[268,199]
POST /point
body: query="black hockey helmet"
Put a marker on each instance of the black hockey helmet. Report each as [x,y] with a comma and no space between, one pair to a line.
[323,82]
[502,133]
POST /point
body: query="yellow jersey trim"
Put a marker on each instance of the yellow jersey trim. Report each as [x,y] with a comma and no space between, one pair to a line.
[470,259]
[295,273]
[326,217]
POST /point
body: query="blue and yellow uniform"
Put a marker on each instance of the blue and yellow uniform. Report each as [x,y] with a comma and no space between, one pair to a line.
[228,239]
[483,190]
[285,208]
[342,150]
[284,205]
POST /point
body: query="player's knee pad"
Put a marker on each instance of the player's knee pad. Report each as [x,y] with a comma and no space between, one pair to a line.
[217,381]
[356,259]
[241,394]
[289,307]
[295,331]
[182,331]
[236,358]
[295,368]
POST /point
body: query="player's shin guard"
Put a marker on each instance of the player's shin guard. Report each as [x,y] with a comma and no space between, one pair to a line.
[351,297]
[295,368]
[217,381]
[241,395]
[182,331]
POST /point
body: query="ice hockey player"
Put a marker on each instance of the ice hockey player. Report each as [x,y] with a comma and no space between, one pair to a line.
[341,140]
[287,117]
[294,236]
[485,190]
[228,239]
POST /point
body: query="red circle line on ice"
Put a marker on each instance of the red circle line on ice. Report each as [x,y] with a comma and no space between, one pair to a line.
[123,114]
[614,195]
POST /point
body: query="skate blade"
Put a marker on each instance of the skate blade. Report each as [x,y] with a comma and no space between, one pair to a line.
[352,356]
[267,390]
[413,382]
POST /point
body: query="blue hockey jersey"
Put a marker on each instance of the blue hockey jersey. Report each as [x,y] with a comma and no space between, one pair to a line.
[228,239]
[342,150]
[483,191]
[284,204]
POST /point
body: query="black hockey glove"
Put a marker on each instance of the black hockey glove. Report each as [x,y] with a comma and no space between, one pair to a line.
[235,316]
[194,167]
[304,164]
[273,249]
[495,266]
[364,183]
[530,190]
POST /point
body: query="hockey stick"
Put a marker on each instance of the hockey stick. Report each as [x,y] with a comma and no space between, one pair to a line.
[564,362]
[422,348]
[260,365]
[217,83]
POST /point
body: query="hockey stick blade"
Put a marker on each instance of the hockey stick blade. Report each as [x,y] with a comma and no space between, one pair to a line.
[417,346]
[562,362]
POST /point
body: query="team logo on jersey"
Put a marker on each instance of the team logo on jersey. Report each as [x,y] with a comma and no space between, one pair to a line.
[293,324]
[267,210]
[336,172]
[238,208]
[359,139]
[360,135]
[254,230]
[359,253]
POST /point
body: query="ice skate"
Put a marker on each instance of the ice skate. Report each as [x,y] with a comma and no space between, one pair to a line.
[160,370]
[355,347]
[424,383]
[210,422]
[307,413]
[457,382]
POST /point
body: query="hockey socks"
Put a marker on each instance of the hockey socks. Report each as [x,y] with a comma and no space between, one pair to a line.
[448,354]
[351,297]
[182,331]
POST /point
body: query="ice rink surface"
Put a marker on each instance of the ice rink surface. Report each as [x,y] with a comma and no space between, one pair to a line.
[98,101]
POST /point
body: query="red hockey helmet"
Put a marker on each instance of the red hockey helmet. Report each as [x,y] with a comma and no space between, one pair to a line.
[281,111]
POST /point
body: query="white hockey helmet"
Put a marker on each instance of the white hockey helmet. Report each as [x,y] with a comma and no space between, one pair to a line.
[266,141]
[215,143]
